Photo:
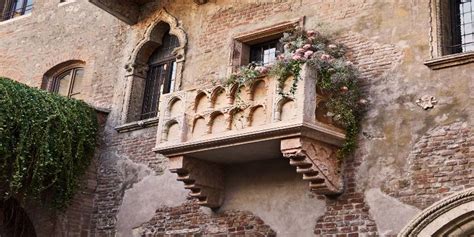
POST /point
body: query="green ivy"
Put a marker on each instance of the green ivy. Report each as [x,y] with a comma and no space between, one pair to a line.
[46,144]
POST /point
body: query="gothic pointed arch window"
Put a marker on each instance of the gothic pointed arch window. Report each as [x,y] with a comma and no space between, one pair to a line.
[154,68]
[161,75]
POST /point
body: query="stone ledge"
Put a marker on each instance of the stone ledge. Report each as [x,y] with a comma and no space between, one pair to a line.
[450,60]
[137,125]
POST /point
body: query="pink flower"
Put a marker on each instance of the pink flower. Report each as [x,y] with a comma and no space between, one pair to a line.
[300,51]
[262,69]
[281,57]
[297,57]
[344,89]
[308,53]
[325,57]
[307,46]
[311,33]
[332,46]
[363,101]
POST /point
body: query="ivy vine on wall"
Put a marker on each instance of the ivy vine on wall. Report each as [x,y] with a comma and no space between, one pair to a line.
[46,144]
[337,78]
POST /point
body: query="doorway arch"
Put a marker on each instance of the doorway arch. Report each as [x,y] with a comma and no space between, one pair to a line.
[452,216]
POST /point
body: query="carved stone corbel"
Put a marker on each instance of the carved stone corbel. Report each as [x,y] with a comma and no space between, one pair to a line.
[317,162]
[136,69]
[204,179]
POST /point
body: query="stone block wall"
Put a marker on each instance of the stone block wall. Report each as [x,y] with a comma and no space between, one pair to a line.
[410,156]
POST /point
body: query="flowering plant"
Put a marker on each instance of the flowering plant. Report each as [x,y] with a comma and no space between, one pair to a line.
[337,78]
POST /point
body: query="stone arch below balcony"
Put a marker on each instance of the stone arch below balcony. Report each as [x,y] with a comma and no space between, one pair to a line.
[257,116]
[171,132]
[218,122]
[219,98]
[452,216]
[259,91]
[176,107]
[201,102]
[200,127]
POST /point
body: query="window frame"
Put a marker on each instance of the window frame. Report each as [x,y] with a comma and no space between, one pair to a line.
[56,81]
[9,11]
[440,28]
[241,44]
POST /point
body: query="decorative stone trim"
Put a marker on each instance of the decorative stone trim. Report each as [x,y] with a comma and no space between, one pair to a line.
[436,212]
[317,162]
[450,60]
[137,125]
[137,68]
[204,179]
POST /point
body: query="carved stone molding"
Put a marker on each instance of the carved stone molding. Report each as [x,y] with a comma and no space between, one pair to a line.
[317,162]
[136,69]
[444,211]
[175,29]
[204,179]
[427,102]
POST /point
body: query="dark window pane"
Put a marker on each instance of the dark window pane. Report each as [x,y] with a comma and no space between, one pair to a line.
[64,81]
[264,53]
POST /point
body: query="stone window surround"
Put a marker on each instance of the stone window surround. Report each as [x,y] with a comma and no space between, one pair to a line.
[438,60]
[240,52]
[136,69]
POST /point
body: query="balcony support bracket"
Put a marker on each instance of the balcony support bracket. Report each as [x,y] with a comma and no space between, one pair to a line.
[317,162]
[204,179]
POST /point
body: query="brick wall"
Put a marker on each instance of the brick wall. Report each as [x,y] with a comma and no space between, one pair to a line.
[347,215]
[114,179]
[441,163]
[189,220]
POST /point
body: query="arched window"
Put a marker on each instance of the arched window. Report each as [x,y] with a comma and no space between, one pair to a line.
[66,79]
[155,67]
[161,75]
[68,83]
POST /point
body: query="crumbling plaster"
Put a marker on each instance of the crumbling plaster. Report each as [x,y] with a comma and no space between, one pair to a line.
[390,214]
[274,192]
[140,202]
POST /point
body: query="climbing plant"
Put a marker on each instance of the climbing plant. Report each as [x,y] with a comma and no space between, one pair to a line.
[46,144]
[337,78]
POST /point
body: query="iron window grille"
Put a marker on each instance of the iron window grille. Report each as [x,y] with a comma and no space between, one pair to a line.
[462,27]
[161,76]
[15,8]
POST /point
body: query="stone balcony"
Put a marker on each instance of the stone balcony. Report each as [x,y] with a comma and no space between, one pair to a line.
[202,130]
[127,11]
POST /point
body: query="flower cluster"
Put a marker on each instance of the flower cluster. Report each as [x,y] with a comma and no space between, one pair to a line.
[337,77]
